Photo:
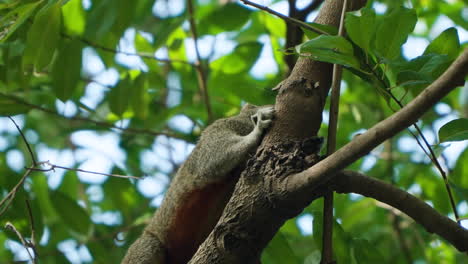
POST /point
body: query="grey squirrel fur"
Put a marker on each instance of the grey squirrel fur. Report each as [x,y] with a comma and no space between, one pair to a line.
[203,186]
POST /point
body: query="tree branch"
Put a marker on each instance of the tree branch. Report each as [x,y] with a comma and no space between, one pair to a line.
[311,7]
[286,18]
[364,143]
[116,51]
[421,212]
[198,64]
[129,130]
[327,234]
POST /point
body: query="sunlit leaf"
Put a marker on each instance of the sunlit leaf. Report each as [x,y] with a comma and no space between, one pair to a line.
[73,215]
[41,189]
[361,29]
[19,16]
[9,107]
[342,243]
[279,251]
[332,49]
[421,71]
[241,60]
[120,95]
[143,45]
[43,37]
[74,17]
[140,98]
[100,18]
[364,252]
[447,43]
[228,17]
[331,30]
[455,130]
[165,28]
[393,31]
[70,185]
[66,71]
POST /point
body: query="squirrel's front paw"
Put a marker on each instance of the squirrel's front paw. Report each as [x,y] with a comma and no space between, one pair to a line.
[262,119]
[267,112]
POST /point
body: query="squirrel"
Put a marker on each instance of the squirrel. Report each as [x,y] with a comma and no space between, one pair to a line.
[201,188]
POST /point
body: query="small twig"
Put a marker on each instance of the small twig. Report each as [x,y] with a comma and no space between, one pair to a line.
[431,153]
[54,166]
[25,141]
[286,18]
[432,156]
[6,201]
[388,155]
[198,63]
[137,54]
[327,235]
[32,243]
[96,122]
[311,7]
[10,226]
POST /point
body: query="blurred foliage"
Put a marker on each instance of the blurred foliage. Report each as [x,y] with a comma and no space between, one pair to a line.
[71,70]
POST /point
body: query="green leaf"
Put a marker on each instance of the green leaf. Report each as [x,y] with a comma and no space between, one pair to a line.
[361,29]
[312,34]
[41,190]
[74,17]
[435,66]
[447,43]
[19,15]
[279,251]
[43,37]
[460,171]
[121,195]
[332,49]
[274,25]
[9,107]
[240,60]
[66,71]
[143,45]
[70,184]
[100,18]
[119,96]
[455,130]
[125,12]
[228,17]
[421,71]
[165,29]
[73,215]
[392,32]
[365,252]
[140,99]
[411,78]
[342,243]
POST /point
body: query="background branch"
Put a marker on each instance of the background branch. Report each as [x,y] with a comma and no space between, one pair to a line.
[327,235]
[422,213]
[286,18]
[364,143]
[115,51]
[198,64]
[86,119]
